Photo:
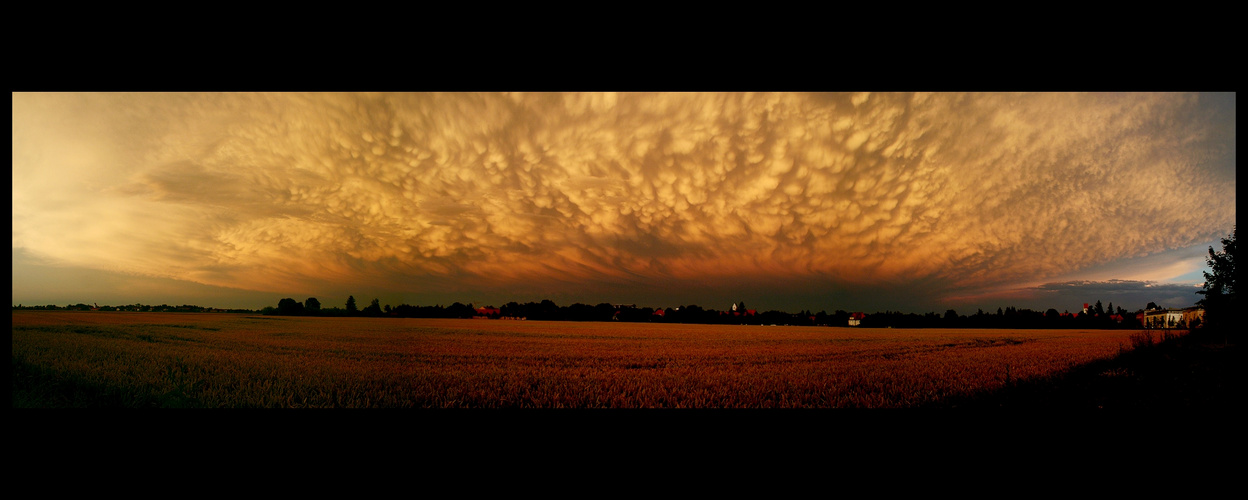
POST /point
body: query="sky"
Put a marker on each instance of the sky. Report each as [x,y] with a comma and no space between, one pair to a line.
[910,202]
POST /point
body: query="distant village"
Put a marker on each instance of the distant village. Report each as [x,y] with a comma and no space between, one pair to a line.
[1089,316]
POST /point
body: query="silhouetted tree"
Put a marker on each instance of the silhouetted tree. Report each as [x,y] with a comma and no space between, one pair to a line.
[513,309]
[373,309]
[546,310]
[312,305]
[458,310]
[289,307]
[1219,289]
[351,308]
[604,312]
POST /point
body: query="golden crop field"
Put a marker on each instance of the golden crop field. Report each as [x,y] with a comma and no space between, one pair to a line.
[235,360]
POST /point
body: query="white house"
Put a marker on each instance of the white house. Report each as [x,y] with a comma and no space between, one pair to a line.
[1164,318]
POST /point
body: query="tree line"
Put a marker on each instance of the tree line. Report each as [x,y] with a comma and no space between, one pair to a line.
[1097,316]
[136,307]
[312,307]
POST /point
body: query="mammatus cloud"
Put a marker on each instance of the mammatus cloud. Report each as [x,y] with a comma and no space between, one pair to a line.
[429,191]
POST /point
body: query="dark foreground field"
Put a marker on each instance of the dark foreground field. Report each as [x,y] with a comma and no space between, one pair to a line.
[1197,371]
[138,360]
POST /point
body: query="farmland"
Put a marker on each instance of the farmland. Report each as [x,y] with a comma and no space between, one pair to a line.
[119,359]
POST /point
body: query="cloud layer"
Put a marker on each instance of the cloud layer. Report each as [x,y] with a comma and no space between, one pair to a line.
[461,192]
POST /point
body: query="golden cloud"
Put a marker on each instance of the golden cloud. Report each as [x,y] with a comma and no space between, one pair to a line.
[265,191]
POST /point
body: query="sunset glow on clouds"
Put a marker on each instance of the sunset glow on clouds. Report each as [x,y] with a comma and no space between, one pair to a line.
[620,197]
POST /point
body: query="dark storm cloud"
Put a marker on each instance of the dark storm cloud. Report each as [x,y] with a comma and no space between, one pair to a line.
[1129,294]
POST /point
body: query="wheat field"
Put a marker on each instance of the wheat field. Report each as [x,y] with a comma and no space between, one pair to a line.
[118,359]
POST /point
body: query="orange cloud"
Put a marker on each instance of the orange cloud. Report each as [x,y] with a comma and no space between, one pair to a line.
[271,191]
